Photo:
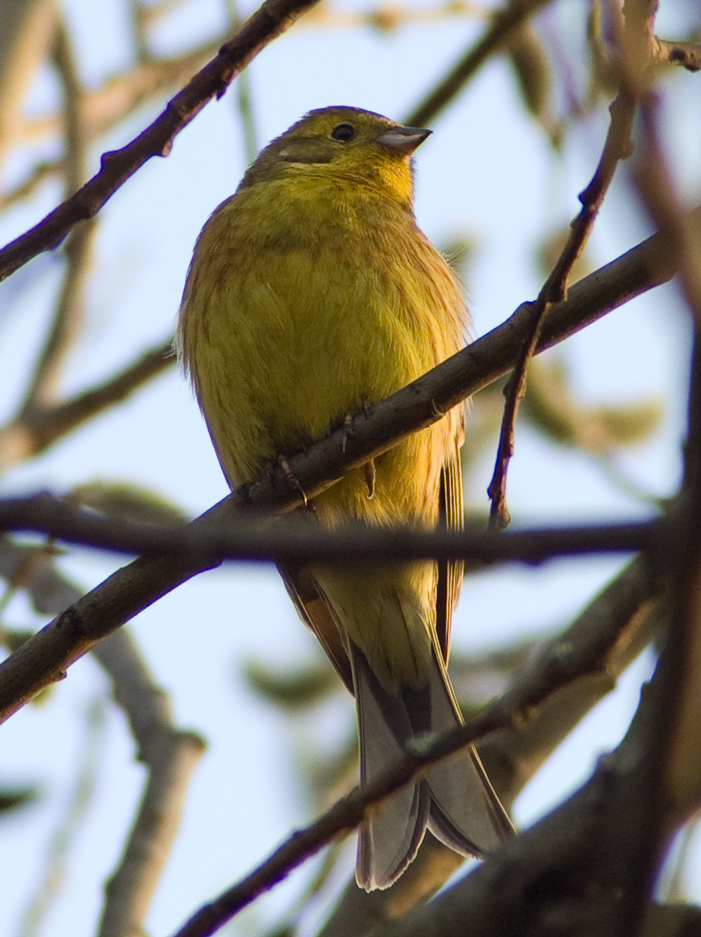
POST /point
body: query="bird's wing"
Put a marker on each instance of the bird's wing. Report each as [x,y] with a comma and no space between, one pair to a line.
[450,572]
[318,617]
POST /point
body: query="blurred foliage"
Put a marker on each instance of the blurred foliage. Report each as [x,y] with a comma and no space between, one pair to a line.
[551,408]
[14,799]
[31,568]
[291,691]
[126,501]
[530,61]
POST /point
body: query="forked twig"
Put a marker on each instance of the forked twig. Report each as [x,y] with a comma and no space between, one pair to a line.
[618,146]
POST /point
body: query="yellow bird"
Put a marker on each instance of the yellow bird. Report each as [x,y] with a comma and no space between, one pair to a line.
[311,293]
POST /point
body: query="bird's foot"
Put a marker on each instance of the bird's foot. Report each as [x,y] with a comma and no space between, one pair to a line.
[370,473]
[292,480]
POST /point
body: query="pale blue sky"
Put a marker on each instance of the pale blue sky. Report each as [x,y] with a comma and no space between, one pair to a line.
[488,171]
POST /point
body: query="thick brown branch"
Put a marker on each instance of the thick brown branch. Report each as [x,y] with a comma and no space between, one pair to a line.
[297,541]
[45,657]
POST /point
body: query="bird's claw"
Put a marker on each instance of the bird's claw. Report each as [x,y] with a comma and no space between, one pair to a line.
[291,478]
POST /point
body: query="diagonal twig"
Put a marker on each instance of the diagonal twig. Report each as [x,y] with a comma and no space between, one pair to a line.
[170,755]
[504,23]
[266,24]
[616,148]
[68,315]
[38,427]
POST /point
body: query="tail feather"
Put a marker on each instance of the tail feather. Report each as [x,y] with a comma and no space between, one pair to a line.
[454,799]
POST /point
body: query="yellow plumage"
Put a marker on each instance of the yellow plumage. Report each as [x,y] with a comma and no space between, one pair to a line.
[311,293]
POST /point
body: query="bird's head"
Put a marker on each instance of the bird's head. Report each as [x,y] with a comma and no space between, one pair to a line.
[343,142]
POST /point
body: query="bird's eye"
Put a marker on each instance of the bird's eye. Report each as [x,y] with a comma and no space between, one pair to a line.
[344,132]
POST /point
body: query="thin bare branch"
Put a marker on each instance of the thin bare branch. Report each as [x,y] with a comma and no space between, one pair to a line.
[170,755]
[617,146]
[38,427]
[266,24]
[504,23]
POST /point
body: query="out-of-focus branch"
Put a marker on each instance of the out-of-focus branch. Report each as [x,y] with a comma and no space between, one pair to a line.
[46,169]
[266,24]
[69,824]
[73,131]
[170,755]
[685,54]
[504,24]
[386,17]
[243,97]
[65,328]
[30,569]
[68,316]
[138,30]
[107,105]
[44,658]
[110,103]
[680,719]
[25,38]
[38,427]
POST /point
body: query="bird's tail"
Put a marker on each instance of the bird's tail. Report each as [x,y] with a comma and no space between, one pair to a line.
[454,798]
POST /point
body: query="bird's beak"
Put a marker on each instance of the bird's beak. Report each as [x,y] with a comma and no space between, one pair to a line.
[403,139]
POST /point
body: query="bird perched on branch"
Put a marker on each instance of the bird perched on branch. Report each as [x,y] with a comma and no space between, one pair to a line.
[311,293]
